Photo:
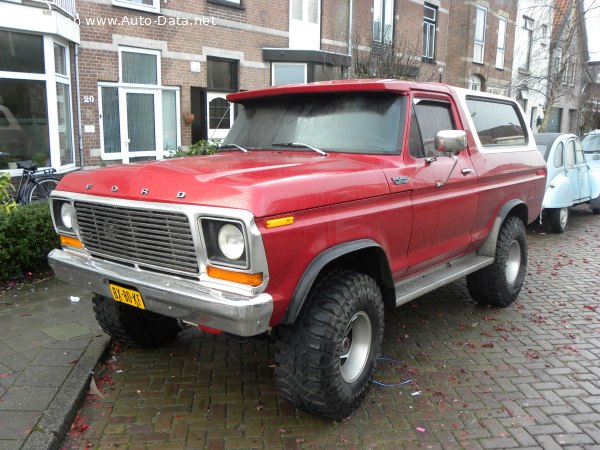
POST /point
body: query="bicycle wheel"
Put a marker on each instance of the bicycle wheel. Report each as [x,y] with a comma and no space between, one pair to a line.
[40,189]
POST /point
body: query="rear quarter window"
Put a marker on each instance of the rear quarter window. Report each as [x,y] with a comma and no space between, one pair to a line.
[497,123]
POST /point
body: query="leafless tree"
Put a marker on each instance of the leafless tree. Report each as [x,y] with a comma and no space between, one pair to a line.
[400,59]
[564,67]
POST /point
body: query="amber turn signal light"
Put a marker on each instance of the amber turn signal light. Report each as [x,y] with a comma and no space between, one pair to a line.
[251,279]
[282,221]
[71,241]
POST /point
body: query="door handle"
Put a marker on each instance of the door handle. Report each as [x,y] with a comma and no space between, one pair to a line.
[466,171]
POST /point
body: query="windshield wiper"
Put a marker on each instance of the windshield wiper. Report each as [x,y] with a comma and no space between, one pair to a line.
[226,146]
[300,144]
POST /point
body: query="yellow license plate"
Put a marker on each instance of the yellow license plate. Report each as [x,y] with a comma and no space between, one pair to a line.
[128,296]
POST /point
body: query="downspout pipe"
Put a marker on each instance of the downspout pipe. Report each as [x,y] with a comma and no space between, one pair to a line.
[78,103]
[350,29]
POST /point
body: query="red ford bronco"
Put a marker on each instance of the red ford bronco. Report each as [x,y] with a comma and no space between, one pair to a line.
[325,202]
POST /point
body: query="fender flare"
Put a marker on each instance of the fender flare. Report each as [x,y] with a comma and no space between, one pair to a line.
[489,246]
[314,269]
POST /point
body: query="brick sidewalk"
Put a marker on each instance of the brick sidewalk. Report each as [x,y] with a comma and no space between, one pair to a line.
[43,337]
[524,376]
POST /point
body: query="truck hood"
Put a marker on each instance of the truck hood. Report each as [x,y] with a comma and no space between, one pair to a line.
[265,183]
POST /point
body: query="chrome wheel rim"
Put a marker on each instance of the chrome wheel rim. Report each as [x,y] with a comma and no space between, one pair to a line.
[563,216]
[356,345]
[513,262]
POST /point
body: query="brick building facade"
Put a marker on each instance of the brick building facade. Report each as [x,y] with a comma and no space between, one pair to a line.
[480,44]
[147,66]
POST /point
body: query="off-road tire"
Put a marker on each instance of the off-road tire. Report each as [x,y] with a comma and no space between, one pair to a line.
[559,217]
[133,326]
[499,284]
[309,353]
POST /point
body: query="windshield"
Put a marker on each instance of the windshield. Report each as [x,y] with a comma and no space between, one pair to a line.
[334,122]
[591,143]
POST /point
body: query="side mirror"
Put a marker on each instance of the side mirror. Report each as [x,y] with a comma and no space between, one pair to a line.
[451,141]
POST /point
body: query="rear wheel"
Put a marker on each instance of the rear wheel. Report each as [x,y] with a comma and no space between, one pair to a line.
[326,360]
[40,189]
[133,326]
[559,218]
[499,284]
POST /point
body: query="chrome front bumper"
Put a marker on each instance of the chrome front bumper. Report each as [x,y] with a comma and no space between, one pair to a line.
[186,300]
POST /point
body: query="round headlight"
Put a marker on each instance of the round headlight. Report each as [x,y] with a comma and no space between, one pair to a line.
[66,215]
[231,242]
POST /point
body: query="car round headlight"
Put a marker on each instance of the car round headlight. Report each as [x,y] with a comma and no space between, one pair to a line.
[66,215]
[231,242]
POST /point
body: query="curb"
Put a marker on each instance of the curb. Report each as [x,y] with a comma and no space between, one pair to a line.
[54,424]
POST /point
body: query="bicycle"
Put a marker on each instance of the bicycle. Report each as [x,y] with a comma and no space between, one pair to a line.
[34,186]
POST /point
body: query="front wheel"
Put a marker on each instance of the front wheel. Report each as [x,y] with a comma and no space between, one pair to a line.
[133,326]
[326,359]
[558,219]
[499,284]
[40,189]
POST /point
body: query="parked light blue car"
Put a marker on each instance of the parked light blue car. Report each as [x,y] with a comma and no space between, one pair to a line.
[570,180]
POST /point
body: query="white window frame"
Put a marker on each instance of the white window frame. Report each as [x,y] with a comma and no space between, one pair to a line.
[154,89]
[154,8]
[50,78]
[143,51]
[382,38]
[273,65]
[431,25]
[66,80]
[501,47]
[480,43]
[475,80]
[122,90]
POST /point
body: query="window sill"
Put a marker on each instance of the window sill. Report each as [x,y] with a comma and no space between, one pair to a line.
[234,5]
[479,63]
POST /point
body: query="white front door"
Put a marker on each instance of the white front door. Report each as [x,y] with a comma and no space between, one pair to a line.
[305,24]
[139,133]
[219,115]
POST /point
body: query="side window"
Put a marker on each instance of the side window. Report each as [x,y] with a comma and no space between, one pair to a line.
[428,117]
[497,123]
[558,155]
[570,154]
[579,152]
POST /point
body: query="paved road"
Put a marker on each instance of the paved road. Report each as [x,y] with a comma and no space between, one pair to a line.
[524,376]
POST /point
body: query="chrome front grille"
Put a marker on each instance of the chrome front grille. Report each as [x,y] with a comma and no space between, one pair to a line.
[157,240]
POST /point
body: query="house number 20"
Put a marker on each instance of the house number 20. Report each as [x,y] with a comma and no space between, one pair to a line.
[88,99]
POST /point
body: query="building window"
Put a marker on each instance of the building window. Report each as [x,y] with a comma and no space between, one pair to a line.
[222,78]
[528,24]
[480,24]
[222,74]
[288,73]
[140,68]
[305,29]
[383,21]
[554,117]
[429,24]
[234,3]
[139,117]
[142,5]
[475,83]
[501,48]
[35,101]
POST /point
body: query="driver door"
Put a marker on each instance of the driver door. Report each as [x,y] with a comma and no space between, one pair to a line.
[443,215]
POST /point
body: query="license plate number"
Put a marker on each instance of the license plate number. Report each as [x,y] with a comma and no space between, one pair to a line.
[128,296]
